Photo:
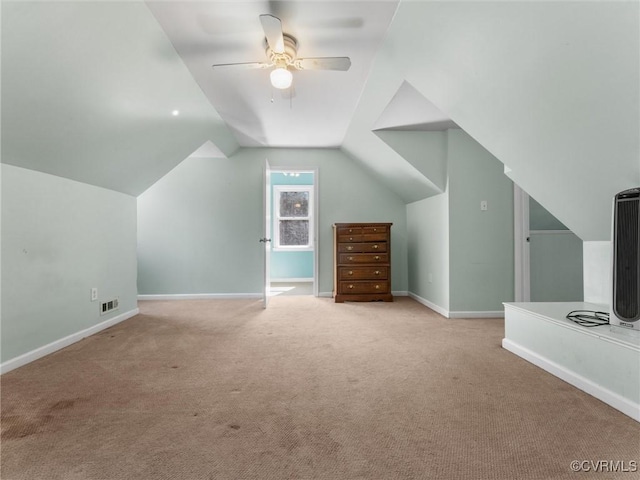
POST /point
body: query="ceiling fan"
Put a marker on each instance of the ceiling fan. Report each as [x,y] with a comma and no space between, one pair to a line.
[282,54]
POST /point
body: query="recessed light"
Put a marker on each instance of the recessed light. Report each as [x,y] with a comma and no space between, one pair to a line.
[175,113]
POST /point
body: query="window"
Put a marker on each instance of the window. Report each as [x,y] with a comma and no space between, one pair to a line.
[293,222]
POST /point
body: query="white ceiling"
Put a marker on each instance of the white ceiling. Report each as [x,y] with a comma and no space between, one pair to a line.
[318,115]
[89,89]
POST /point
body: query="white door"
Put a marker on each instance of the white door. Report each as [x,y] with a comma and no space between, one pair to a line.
[521,245]
[266,239]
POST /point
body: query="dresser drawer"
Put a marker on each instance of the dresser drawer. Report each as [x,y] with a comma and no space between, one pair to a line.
[375,229]
[358,258]
[349,230]
[372,286]
[362,273]
[371,247]
[349,238]
[374,237]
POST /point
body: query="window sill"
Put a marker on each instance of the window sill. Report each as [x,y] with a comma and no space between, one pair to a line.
[292,249]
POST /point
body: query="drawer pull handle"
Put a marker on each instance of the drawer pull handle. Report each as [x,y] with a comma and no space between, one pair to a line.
[350,286]
[350,231]
[375,247]
[350,272]
[350,239]
[377,287]
[375,229]
[349,247]
[350,258]
[377,257]
[377,272]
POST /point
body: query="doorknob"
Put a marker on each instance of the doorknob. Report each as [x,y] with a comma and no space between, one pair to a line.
[265,240]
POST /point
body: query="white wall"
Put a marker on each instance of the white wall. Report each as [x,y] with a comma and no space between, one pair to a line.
[597,272]
[60,238]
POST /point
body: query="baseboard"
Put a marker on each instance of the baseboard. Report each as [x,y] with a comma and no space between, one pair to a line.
[448,314]
[63,342]
[436,308]
[292,280]
[400,293]
[479,314]
[325,294]
[618,402]
[201,296]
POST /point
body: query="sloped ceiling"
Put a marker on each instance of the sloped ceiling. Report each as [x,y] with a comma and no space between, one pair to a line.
[551,89]
[89,91]
[409,110]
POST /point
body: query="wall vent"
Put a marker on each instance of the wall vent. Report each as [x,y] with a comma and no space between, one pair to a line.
[106,307]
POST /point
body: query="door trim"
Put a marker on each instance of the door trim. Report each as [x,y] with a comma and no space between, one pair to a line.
[316,215]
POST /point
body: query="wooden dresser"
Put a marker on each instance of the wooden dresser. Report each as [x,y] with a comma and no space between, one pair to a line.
[362,262]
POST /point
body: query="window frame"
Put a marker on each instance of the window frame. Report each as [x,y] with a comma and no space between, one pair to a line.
[277,191]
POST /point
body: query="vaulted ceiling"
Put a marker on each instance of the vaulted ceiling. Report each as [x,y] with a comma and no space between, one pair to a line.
[317,109]
[116,94]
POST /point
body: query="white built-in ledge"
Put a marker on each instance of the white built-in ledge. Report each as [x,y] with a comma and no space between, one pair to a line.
[602,361]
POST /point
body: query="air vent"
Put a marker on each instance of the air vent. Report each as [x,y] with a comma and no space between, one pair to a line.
[106,307]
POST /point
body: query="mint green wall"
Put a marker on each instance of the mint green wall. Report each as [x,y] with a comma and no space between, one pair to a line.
[481,242]
[461,258]
[198,227]
[290,264]
[555,258]
[60,238]
[541,219]
[556,267]
[428,249]
[279,178]
[286,265]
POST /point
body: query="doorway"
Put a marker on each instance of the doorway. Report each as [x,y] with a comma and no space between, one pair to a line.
[294,248]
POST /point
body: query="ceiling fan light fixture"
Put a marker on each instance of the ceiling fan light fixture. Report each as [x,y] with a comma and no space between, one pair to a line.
[281,78]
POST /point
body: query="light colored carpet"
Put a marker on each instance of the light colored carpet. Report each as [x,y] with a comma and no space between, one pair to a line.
[307,389]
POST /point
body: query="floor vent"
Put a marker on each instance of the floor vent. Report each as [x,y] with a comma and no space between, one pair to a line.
[109,306]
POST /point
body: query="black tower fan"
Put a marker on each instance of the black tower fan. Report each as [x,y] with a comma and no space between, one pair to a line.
[625,304]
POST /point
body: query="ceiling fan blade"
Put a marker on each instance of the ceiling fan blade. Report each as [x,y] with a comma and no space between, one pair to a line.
[272,27]
[241,66]
[323,63]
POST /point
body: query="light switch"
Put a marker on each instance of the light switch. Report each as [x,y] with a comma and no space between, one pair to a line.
[483,206]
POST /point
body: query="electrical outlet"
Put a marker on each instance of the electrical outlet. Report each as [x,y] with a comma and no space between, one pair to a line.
[483,206]
[94,294]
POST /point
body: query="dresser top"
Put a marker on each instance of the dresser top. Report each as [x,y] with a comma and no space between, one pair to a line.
[362,224]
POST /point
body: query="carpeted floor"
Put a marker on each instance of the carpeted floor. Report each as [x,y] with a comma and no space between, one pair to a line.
[307,389]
